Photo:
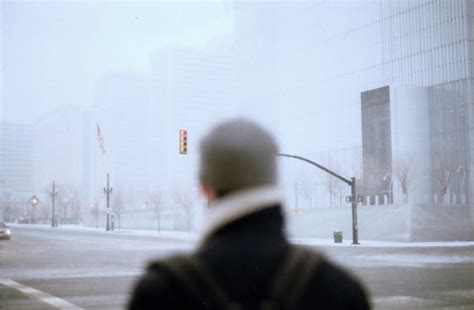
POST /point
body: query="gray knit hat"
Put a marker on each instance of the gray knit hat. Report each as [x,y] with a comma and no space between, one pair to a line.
[238,154]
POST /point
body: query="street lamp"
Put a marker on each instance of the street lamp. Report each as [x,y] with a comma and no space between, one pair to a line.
[108,191]
[34,201]
[390,190]
[53,195]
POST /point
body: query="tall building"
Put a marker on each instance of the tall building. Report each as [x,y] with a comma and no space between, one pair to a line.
[59,149]
[396,143]
[140,117]
[257,71]
[122,117]
[16,162]
[192,90]
[328,53]
[1,61]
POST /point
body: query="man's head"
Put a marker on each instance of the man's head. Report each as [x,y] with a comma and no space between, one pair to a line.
[237,154]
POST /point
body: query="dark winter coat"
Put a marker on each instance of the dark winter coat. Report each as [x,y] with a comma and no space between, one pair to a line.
[243,257]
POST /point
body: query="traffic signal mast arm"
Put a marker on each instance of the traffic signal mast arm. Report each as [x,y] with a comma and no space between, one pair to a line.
[349,182]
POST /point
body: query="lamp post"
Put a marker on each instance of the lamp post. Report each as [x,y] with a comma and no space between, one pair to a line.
[108,191]
[53,195]
[34,201]
[390,190]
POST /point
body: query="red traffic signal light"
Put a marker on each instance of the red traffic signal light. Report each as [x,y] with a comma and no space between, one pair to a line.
[183,142]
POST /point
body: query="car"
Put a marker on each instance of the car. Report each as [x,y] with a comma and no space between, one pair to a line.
[5,232]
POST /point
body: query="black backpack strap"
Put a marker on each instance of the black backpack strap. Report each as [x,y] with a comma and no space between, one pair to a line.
[196,280]
[296,272]
[289,283]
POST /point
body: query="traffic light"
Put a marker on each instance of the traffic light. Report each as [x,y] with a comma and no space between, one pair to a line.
[183,142]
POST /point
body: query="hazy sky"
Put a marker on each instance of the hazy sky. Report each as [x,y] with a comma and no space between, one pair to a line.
[53,52]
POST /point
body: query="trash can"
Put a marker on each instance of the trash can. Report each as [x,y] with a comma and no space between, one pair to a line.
[337,236]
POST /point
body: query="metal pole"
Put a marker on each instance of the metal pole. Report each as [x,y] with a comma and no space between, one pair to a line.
[391,190]
[107,228]
[351,183]
[107,192]
[319,166]
[296,198]
[355,228]
[53,196]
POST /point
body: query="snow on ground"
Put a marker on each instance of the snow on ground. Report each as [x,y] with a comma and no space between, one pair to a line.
[370,243]
[180,235]
[442,300]
[400,302]
[415,260]
[192,236]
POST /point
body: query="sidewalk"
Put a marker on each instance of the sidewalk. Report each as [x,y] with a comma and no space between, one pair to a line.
[194,236]
[178,235]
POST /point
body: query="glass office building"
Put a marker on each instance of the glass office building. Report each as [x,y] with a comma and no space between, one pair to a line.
[326,54]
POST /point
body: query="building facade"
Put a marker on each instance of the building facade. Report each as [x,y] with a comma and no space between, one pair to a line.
[192,90]
[59,149]
[328,53]
[16,162]
[396,144]
[61,156]
[122,117]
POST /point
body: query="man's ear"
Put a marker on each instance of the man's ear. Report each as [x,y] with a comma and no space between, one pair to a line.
[208,192]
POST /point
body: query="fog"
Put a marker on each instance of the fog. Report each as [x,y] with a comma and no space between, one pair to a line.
[96,97]
[54,52]
[90,89]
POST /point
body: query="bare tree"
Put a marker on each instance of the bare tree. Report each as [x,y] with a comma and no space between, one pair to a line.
[372,176]
[444,170]
[303,186]
[95,213]
[75,202]
[68,202]
[404,174]
[117,207]
[334,185]
[185,202]
[45,211]
[155,200]
[10,212]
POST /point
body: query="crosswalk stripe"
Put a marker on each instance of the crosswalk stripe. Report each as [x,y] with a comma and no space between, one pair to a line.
[40,295]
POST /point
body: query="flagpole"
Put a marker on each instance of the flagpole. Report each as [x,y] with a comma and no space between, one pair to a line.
[107,192]
[108,189]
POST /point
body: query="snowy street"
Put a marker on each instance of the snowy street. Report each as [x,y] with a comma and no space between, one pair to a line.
[42,268]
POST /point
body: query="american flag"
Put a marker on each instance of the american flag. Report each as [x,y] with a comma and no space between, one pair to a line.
[100,139]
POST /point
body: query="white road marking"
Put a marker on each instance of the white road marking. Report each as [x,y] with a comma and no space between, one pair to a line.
[44,297]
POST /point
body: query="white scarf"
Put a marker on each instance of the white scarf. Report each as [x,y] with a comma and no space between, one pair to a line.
[239,204]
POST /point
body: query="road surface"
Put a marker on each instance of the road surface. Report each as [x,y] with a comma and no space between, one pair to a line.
[46,268]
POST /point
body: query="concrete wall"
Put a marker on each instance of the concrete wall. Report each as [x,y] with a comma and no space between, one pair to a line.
[375,223]
[416,222]
[411,148]
[441,223]
[145,219]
